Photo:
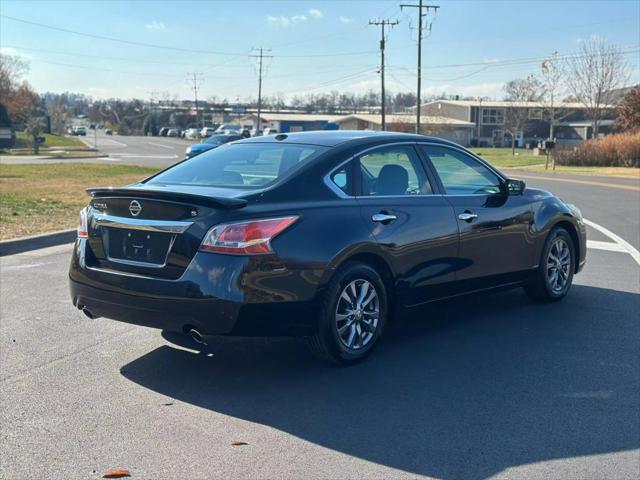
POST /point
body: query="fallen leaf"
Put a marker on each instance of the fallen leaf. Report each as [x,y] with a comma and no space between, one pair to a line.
[120,473]
[237,443]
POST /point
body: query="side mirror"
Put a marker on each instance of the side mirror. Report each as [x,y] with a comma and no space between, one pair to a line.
[515,187]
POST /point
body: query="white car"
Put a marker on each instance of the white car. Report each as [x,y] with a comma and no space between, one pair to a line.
[191,133]
[228,128]
[206,132]
[173,132]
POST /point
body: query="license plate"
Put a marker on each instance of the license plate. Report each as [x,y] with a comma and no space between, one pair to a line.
[138,246]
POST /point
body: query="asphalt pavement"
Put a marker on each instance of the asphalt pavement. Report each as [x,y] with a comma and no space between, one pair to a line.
[490,386]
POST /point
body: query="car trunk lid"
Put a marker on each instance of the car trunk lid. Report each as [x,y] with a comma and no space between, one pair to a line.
[154,231]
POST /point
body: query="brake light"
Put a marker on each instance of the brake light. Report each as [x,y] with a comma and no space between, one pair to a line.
[83,230]
[252,237]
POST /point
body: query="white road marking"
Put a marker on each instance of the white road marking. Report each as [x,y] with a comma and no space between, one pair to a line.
[620,243]
[22,267]
[161,145]
[109,159]
[107,141]
[133,155]
[609,246]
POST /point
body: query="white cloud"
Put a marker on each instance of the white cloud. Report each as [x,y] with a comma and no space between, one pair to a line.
[155,25]
[278,21]
[282,21]
[344,19]
[491,90]
[8,51]
[315,13]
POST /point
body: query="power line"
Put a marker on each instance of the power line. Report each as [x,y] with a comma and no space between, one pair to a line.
[260,56]
[420,6]
[169,47]
[382,24]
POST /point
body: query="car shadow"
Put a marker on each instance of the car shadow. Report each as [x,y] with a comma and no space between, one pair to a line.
[458,390]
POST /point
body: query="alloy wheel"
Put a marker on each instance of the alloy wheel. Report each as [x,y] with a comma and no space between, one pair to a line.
[357,314]
[559,265]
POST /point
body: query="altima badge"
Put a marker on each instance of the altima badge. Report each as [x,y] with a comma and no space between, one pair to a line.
[135,208]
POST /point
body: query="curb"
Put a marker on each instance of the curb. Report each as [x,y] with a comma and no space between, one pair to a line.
[34,242]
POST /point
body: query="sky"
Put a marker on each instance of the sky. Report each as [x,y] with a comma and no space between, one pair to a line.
[316,46]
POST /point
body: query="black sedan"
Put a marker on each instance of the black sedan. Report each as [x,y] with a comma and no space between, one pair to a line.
[210,143]
[325,235]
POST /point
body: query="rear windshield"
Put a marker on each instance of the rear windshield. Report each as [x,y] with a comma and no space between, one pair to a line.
[239,165]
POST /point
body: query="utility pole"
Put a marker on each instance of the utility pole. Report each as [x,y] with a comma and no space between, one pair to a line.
[260,56]
[420,7]
[193,79]
[382,24]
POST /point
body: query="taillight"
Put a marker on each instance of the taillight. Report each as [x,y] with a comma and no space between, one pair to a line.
[245,238]
[83,230]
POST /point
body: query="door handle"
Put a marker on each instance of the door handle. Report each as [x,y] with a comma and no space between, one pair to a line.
[383,218]
[467,216]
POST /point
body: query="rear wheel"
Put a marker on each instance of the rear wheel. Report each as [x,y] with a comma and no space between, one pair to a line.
[553,278]
[352,315]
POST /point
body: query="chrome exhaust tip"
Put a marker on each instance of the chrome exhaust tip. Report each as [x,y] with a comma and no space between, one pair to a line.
[88,313]
[197,336]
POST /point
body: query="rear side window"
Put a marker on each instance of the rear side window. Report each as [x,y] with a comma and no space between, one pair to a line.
[392,171]
[239,165]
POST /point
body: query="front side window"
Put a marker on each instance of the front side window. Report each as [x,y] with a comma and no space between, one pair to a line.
[394,170]
[239,165]
[462,174]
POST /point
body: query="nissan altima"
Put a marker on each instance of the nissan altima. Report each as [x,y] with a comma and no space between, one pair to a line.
[323,235]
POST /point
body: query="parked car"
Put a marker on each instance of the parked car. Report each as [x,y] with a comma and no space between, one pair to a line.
[78,130]
[173,132]
[212,142]
[322,235]
[108,131]
[229,128]
[163,131]
[191,133]
[207,132]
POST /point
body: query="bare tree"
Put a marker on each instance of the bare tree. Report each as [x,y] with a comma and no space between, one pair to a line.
[629,111]
[517,93]
[552,77]
[597,69]
[553,82]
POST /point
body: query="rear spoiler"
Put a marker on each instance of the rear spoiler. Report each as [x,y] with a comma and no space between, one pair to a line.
[216,202]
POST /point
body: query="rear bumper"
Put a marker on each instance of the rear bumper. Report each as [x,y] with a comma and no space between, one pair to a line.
[217,295]
[209,316]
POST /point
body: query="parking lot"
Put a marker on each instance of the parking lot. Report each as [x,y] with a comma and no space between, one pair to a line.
[488,386]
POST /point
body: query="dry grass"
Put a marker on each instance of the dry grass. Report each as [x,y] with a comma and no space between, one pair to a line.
[44,198]
[620,172]
[621,150]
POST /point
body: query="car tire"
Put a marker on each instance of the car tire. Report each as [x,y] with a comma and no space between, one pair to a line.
[552,280]
[350,322]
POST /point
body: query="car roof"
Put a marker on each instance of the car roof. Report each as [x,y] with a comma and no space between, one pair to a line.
[332,138]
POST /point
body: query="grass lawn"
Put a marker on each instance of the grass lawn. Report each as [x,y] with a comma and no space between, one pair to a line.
[44,198]
[23,140]
[621,172]
[502,158]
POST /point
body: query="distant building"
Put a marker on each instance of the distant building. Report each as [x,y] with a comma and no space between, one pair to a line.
[456,130]
[488,119]
[289,122]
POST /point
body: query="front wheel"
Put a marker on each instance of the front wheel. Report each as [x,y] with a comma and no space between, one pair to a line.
[352,315]
[553,277]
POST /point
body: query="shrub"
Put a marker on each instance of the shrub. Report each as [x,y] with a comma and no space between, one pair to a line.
[620,150]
